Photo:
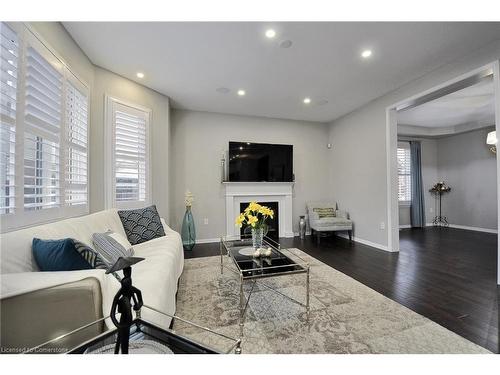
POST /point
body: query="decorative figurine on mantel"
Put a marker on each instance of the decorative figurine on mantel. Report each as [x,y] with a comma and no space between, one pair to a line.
[438,190]
[188,231]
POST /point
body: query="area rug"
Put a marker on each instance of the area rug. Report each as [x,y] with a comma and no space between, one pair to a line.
[346,316]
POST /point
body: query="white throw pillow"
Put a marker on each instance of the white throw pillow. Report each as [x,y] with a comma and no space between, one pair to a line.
[122,240]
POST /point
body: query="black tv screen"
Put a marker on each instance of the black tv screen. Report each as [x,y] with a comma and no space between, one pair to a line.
[257,162]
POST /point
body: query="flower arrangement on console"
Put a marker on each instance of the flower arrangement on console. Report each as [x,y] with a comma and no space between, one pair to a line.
[255,217]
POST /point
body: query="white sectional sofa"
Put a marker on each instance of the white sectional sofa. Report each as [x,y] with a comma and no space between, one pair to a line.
[33,303]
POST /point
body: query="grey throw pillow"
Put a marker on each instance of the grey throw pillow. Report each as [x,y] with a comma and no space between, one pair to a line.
[141,225]
[90,255]
[110,249]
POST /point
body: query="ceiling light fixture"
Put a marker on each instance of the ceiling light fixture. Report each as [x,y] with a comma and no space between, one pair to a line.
[241,92]
[140,75]
[307,100]
[270,33]
[366,53]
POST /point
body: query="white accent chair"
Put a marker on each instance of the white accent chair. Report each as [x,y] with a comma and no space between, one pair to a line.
[321,225]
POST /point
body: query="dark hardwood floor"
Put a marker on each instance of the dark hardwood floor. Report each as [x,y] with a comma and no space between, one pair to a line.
[445,274]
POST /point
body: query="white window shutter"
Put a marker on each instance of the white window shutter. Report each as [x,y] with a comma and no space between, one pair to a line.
[404,174]
[130,150]
[42,133]
[8,111]
[76,186]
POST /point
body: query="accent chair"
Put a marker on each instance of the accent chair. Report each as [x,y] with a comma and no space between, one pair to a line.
[324,217]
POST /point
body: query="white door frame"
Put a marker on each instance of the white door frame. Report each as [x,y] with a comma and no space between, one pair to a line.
[392,142]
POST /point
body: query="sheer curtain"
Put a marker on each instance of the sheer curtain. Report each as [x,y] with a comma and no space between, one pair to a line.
[417,210]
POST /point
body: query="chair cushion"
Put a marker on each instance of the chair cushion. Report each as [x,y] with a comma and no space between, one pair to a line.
[332,222]
[324,212]
[141,225]
[58,255]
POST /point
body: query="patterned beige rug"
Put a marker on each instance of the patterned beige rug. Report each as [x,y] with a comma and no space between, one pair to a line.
[346,316]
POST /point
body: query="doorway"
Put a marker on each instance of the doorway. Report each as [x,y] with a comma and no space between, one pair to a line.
[473,79]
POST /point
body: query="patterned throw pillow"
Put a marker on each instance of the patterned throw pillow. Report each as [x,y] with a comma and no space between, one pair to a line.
[90,255]
[324,212]
[141,225]
[109,249]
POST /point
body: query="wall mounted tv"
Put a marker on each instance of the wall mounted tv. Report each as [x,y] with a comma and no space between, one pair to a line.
[259,162]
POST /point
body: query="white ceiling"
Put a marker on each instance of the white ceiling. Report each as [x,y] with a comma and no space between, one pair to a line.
[473,106]
[189,61]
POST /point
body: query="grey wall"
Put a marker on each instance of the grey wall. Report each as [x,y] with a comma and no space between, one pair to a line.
[429,178]
[358,161]
[200,138]
[464,162]
[103,82]
[468,166]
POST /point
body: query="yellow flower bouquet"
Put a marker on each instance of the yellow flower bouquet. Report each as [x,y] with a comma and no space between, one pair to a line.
[255,217]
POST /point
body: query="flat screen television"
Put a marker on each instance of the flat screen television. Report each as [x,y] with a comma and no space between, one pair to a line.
[259,162]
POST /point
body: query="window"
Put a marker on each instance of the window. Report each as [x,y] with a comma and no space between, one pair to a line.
[129,154]
[42,133]
[44,120]
[76,159]
[8,114]
[404,173]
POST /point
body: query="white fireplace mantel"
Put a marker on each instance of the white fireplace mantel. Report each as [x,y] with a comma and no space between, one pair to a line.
[245,192]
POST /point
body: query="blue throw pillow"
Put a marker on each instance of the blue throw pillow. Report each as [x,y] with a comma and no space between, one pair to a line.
[58,255]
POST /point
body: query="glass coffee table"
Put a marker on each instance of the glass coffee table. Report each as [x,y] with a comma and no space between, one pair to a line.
[183,337]
[281,262]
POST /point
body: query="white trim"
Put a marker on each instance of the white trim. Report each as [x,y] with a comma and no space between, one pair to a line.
[365,242]
[496,83]
[235,194]
[392,180]
[109,186]
[207,240]
[476,229]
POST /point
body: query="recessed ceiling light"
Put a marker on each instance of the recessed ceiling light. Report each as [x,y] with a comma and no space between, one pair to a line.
[241,92]
[270,33]
[140,75]
[307,100]
[222,90]
[366,53]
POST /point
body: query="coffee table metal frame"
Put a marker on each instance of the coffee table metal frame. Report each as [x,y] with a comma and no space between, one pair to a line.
[299,267]
[235,347]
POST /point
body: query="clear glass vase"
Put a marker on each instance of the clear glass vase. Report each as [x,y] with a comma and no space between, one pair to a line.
[188,231]
[257,237]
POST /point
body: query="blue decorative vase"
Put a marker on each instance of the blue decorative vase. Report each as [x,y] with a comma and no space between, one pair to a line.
[188,231]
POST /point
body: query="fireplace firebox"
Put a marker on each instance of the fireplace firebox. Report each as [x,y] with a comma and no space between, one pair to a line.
[272,224]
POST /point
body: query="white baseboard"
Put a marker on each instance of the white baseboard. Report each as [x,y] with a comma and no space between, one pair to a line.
[365,242]
[407,226]
[208,240]
[355,239]
[477,229]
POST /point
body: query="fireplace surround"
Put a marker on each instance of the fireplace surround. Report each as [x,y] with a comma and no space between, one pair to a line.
[237,193]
